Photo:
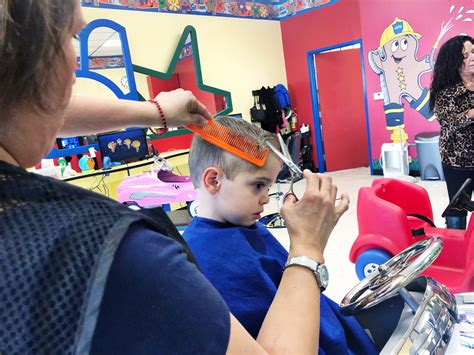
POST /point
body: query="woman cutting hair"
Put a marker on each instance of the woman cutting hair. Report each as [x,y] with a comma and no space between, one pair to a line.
[80,273]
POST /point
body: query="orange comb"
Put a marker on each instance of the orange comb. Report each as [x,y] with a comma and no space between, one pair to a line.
[227,139]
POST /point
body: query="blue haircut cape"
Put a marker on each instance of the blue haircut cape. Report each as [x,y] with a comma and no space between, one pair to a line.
[245,265]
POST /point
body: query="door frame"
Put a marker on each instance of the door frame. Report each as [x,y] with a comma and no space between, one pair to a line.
[315,100]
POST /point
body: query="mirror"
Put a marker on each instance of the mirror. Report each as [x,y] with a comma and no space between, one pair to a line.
[104,56]
[104,59]
[184,72]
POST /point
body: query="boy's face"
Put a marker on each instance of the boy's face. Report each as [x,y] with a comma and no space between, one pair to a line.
[240,201]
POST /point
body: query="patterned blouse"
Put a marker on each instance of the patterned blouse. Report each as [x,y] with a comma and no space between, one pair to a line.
[456,144]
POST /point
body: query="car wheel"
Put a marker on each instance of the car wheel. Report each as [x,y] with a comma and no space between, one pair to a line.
[369,261]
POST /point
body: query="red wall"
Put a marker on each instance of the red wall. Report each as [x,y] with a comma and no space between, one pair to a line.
[167,144]
[426,18]
[327,26]
[187,81]
[341,103]
[155,85]
[184,77]
[347,20]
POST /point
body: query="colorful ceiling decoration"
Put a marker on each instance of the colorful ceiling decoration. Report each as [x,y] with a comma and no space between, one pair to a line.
[261,9]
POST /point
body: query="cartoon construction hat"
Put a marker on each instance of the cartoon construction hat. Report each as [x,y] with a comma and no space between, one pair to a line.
[396,29]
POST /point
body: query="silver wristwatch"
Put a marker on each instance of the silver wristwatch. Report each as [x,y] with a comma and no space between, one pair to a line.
[320,271]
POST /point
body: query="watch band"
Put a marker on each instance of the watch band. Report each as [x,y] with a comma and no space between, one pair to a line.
[314,266]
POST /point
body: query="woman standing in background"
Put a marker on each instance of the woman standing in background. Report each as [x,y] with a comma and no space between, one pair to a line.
[452,100]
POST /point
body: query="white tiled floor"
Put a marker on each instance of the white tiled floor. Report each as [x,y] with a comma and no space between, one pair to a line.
[342,272]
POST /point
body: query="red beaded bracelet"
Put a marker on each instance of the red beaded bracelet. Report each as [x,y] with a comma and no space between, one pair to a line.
[160,131]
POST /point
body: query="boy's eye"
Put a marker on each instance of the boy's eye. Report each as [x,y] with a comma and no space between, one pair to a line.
[260,185]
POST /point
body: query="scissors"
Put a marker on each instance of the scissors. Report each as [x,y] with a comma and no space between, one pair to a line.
[285,157]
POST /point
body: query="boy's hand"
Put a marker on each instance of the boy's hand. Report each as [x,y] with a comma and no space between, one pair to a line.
[311,220]
[182,108]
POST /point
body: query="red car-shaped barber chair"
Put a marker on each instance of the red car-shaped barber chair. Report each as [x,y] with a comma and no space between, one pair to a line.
[394,214]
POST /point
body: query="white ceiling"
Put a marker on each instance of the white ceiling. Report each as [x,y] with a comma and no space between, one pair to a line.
[103,42]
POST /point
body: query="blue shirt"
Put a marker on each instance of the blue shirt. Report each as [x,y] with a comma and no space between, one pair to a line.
[156,302]
[245,264]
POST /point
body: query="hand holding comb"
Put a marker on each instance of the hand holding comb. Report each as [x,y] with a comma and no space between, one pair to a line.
[233,142]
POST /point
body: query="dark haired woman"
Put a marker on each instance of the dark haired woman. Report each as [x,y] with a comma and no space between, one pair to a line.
[80,273]
[452,100]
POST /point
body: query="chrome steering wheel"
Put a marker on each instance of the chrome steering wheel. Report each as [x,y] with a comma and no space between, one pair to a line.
[392,276]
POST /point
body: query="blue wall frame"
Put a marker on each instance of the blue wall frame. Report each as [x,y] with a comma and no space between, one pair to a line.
[85,72]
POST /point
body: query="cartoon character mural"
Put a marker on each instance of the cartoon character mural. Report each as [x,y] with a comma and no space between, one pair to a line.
[396,63]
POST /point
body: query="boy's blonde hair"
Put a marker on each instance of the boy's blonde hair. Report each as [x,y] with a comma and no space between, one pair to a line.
[204,154]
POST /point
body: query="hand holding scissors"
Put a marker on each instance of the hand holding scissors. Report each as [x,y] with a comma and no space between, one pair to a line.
[285,157]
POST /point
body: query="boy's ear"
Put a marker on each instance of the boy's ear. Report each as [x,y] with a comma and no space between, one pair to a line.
[211,179]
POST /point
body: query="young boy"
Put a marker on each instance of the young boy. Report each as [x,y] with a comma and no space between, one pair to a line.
[238,255]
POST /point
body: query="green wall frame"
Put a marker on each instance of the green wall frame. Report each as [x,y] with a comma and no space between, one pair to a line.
[188,31]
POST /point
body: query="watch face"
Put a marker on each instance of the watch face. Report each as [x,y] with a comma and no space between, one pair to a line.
[324,275]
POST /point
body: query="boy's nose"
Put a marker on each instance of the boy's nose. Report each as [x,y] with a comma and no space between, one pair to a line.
[265,199]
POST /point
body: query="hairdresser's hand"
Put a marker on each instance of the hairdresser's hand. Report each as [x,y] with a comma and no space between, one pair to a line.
[181,108]
[311,220]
